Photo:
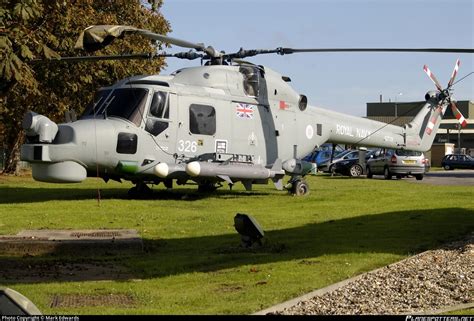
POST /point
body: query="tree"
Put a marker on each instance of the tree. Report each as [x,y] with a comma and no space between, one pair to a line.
[44,29]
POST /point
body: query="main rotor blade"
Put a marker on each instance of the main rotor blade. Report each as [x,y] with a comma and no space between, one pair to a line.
[284,51]
[98,36]
[458,115]
[455,71]
[432,77]
[190,55]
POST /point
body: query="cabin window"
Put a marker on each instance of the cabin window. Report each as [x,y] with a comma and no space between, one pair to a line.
[127,143]
[202,119]
[158,116]
[251,80]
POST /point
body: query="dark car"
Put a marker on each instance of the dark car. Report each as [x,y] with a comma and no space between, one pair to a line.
[348,167]
[351,167]
[453,161]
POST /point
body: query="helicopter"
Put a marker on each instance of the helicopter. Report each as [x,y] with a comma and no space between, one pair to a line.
[227,120]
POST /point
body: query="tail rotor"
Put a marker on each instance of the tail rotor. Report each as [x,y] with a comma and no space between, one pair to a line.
[444,96]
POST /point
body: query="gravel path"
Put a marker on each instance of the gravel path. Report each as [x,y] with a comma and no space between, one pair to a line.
[425,282]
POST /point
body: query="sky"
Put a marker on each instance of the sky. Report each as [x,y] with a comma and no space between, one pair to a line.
[343,82]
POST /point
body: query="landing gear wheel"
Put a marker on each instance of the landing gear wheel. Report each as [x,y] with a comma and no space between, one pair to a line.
[207,187]
[141,190]
[369,173]
[386,173]
[300,188]
[355,170]
[419,177]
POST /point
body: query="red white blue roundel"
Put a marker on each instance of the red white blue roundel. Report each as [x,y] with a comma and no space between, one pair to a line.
[245,111]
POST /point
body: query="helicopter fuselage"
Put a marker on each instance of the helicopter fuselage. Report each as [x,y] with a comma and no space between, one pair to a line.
[209,123]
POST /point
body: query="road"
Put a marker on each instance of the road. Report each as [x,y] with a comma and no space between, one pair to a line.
[454,177]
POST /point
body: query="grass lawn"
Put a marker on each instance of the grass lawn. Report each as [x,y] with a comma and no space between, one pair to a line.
[192,262]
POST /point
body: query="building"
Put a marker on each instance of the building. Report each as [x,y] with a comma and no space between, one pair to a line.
[400,113]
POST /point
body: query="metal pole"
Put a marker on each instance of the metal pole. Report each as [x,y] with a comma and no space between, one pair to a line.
[459,137]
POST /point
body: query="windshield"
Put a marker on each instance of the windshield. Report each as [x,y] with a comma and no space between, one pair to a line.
[94,106]
[127,103]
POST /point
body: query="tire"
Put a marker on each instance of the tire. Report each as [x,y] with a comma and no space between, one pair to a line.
[300,188]
[331,170]
[419,177]
[447,167]
[399,176]
[355,170]
[386,173]
[369,173]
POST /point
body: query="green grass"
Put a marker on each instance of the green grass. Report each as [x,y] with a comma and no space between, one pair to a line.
[192,262]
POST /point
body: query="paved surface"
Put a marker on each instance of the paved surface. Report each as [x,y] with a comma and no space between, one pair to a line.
[455,177]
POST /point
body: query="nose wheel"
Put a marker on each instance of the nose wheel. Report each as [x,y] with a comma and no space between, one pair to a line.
[298,186]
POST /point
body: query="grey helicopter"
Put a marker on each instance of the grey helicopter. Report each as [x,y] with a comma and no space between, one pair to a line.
[227,120]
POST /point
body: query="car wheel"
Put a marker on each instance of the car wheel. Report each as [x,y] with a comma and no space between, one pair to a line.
[355,170]
[386,173]
[419,177]
[447,167]
[399,176]
[369,173]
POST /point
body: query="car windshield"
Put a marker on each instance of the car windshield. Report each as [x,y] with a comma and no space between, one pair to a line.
[403,152]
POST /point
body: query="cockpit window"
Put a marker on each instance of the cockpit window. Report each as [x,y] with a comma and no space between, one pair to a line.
[94,106]
[159,105]
[251,80]
[127,103]
[158,116]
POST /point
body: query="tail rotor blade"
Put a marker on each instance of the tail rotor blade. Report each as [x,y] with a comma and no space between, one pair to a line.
[432,77]
[458,115]
[455,71]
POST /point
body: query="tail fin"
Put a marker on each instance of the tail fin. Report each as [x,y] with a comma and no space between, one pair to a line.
[421,131]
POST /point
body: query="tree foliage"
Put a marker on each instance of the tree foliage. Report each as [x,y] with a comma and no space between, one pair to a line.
[44,29]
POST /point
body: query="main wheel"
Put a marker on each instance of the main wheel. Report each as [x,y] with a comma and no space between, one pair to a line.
[369,173]
[355,170]
[300,188]
[386,173]
[140,191]
[419,177]
[206,187]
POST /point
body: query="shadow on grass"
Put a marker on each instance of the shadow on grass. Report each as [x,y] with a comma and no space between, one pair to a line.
[401,233]
[31,195]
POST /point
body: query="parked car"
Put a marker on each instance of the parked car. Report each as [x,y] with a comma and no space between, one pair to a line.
[327,165]
[400,163]
[453,161]
[322,154]
[350,166]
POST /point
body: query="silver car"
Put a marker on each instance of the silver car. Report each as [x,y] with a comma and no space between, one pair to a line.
[399,163]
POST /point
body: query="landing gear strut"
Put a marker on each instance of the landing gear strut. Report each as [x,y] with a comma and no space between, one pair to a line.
[298,186]
[140,190]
